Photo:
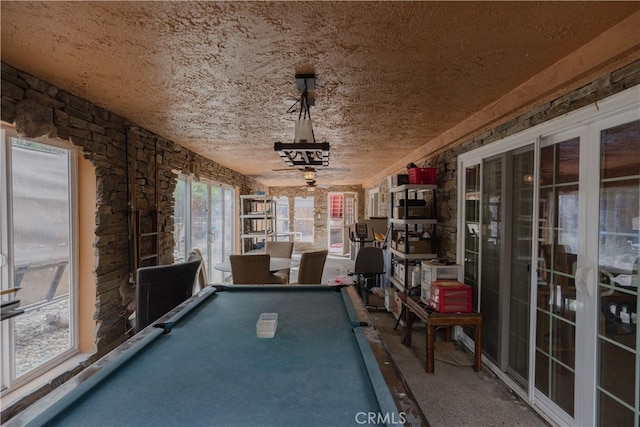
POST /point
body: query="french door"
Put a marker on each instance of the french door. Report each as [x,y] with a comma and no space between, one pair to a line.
[204,219]
[551,245]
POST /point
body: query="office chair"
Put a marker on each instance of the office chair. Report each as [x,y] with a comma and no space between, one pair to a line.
[368,267]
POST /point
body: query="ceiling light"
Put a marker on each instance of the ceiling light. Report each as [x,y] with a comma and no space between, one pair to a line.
[304,151]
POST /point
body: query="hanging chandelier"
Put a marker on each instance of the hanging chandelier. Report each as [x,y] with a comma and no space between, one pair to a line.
[304,151]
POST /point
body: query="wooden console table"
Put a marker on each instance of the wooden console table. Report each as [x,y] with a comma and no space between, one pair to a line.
[433,320]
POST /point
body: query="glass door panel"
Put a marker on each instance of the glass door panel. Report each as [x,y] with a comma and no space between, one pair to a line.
[215,232]
[618,254]
[520,276]
[200,219]
[557,261]
[491,249]
[221,236]
[472,229]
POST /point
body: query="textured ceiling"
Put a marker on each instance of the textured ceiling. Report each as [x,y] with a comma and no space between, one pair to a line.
[218,77]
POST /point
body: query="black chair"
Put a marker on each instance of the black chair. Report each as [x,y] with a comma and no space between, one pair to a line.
[161,288]
[368,267]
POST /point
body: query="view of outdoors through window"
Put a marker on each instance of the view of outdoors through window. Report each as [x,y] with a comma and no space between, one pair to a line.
[39,202]
[303,218]
[203,219]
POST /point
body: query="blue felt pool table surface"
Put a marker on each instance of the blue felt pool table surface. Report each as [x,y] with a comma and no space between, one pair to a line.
[207,367]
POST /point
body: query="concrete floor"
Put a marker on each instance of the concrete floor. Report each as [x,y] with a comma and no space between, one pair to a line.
[453,395]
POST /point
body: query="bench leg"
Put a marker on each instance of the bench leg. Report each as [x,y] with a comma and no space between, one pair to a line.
[477,338]
[409,317]
[431,335]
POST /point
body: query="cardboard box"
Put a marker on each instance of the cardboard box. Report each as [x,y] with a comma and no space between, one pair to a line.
[413,212]
[415,246]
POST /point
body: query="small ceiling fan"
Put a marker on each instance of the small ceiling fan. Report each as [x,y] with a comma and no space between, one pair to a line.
[311,186]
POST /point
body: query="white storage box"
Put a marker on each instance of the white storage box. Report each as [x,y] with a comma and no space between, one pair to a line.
[389,299]
[397,309]
[431,271]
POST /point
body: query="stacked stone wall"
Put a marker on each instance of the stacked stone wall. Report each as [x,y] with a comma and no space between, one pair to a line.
[107,141]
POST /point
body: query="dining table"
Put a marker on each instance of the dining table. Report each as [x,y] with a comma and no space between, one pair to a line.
[275,264]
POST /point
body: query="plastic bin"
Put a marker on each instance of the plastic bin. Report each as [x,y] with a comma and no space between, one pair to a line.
[422,175]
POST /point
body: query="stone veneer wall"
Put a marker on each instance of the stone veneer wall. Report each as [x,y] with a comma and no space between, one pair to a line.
[40,109]
[446,162]
[320,201]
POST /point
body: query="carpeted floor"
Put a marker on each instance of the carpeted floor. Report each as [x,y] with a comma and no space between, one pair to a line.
[454,395]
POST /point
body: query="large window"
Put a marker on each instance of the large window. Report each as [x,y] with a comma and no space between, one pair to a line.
[282,217]
[303,218]
[37,242]
[204,219]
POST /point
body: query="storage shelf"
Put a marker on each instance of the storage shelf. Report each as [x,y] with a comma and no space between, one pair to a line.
[408,226]
[419,188]
[257,220]
[412,256]
[257,215]
[410,221]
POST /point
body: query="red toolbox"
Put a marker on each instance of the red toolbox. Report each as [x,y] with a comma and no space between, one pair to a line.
[450,296]
[422,175]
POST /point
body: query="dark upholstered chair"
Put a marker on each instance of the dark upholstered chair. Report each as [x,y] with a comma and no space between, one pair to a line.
[311,267]
[161,288]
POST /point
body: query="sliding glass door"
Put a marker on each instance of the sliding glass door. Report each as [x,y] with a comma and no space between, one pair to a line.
[204,219]
[618,365]
[505,261]
[551,247]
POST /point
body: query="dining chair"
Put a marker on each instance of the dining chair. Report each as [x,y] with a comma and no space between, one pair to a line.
[280,250]
[161,288]
[201,280]
[250,269]
[311,267]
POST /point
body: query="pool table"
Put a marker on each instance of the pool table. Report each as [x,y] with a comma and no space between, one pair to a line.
[202,364]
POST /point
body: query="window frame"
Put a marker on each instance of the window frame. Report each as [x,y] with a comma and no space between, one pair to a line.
[7,374]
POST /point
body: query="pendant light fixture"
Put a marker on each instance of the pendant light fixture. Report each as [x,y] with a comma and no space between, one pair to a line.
[304,151]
